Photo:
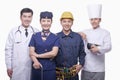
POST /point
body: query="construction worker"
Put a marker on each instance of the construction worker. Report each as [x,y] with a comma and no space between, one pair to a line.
[71,55]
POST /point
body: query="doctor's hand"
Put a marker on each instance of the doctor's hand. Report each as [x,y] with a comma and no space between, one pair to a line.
[37,65]
[9,72]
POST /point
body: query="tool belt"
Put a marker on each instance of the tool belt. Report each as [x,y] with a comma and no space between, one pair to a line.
[62,73]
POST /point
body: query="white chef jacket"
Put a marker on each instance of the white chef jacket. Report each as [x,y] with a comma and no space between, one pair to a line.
[96,62]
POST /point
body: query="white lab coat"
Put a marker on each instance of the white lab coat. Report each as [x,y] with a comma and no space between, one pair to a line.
[96,62]
[17,53]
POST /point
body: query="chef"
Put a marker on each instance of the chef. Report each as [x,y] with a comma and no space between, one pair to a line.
[98,42]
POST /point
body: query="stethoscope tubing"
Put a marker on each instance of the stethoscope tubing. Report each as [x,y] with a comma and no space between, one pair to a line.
[21,32]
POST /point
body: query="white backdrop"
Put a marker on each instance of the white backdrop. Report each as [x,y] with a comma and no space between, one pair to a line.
[10,17]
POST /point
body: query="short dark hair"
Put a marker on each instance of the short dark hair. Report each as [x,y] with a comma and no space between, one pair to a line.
[26,10]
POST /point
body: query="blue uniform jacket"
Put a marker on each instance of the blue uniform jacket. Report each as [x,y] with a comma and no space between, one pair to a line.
[71,50]
[45,46]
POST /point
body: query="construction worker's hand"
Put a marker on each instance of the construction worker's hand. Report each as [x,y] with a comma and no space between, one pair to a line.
[94,49]
[37,65]
[9,72]
[78,68]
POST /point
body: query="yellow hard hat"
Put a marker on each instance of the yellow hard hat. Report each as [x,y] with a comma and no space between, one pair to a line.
[67,15]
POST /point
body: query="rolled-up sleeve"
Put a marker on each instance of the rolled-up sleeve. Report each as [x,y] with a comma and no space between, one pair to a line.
[82,53]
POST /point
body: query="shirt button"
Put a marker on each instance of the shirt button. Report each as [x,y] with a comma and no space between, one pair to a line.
[45,49]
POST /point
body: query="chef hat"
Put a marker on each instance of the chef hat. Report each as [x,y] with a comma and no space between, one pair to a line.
[94,10]
[46,14]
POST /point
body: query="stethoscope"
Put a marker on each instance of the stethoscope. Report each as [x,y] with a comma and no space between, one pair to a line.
[18,33]
[18,30]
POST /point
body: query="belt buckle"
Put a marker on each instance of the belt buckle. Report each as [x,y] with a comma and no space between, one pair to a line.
[65,70]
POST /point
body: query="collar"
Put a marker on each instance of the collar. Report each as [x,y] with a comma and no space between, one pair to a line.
[45,33]
[96,28]
[69,35]
[23,28]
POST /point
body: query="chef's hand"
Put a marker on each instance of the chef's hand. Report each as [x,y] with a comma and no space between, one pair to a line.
[83,35]
[94,49]
[9,72]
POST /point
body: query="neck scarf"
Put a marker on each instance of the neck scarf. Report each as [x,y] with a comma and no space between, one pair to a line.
[45,33]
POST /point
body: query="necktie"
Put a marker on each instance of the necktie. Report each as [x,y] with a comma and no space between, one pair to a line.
[26,32]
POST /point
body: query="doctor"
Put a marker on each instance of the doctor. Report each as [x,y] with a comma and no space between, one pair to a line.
[17,57]
[98,42]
